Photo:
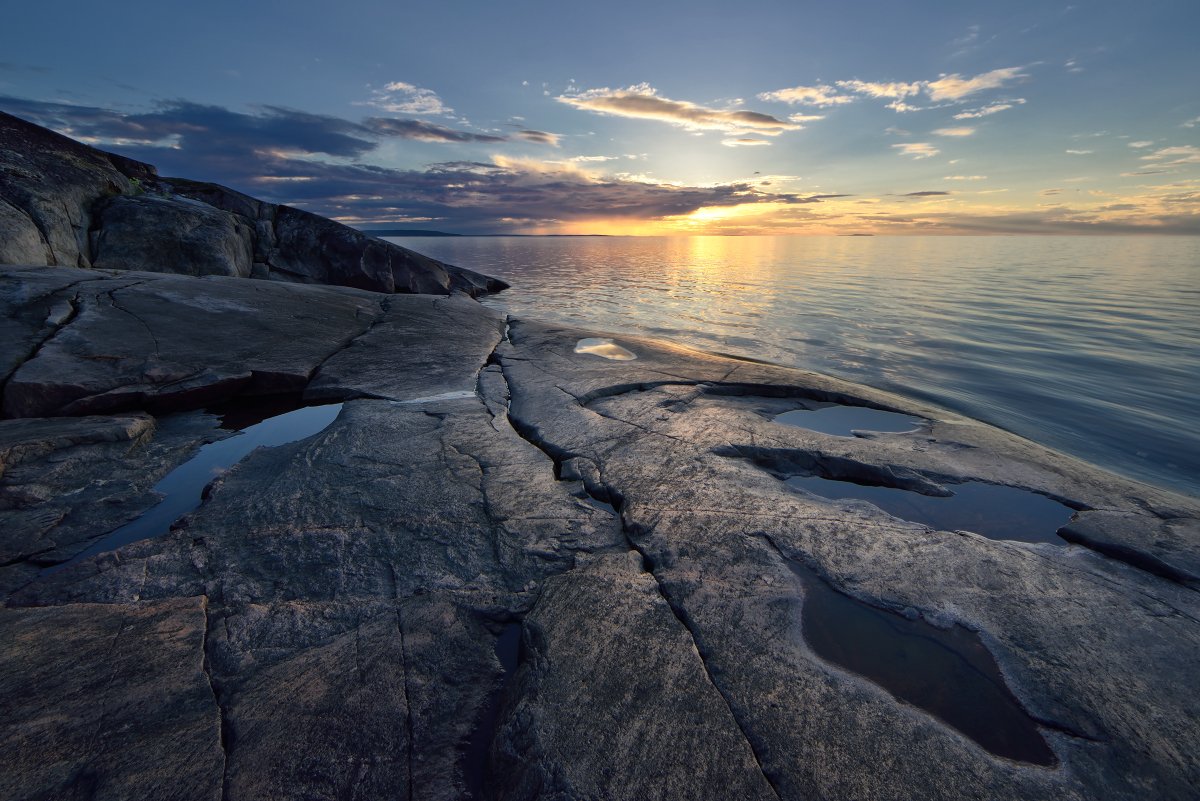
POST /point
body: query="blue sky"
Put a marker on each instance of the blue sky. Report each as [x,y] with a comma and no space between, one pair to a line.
[643,118]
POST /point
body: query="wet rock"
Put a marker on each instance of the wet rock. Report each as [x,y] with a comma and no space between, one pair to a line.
[67,481]
[105,701]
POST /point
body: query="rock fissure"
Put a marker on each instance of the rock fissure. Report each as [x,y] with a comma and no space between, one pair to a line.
[223,728]
[408,709]
[682,618]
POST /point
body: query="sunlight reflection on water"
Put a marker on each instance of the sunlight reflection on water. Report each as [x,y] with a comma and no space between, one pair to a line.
[1087,344]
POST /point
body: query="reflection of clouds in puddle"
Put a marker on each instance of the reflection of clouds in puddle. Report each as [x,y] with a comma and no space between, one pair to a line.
[605,348]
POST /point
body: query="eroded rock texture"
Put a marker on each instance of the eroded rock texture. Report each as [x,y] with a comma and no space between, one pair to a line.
[512,571]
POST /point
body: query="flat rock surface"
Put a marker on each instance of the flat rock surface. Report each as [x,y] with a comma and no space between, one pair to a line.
[108,701]
[508,570]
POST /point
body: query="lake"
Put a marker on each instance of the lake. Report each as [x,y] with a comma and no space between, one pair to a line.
[1090,345]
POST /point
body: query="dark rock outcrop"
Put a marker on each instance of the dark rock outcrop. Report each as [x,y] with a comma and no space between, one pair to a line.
[179,234]
[63,203]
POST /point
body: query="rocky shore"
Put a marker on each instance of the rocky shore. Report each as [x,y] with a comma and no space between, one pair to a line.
[512,567]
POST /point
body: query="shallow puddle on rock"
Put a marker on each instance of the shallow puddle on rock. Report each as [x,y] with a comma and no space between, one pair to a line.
[1000,513]
[247,410]
[477,756]
[843,421]
[605,348]
[183,487]
[949,673]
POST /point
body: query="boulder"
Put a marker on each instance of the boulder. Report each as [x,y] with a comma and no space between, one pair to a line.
[49,184]
[171,235]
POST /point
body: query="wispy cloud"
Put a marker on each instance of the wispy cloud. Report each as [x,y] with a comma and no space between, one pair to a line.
[1144,143]
[1192,123]
[801,118]
[744,141]
[808,96]
[961,131]
[423,131]
[399,97]
[1080,152]
[956,87]
[539,137]
[953,88]
[964,178]
[888,90]
[995,107]
[643,102]
[926,193]
[918,150]
[1179,154]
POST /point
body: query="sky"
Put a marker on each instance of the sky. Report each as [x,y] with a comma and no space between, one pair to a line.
[643,118]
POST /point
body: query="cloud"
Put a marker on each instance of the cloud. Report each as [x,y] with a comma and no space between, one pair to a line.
[744,142]
[925,193]
[1050,192]
[1141,144]
[1192,123]
[964,131]
[643,102]
[799,118]
[1172,156]
[918,150]
[946,89]
[399,97]
[585,159]
[1144,172]
[1081,152]
[206,132]
[423,131]
[890,90]
[956,87]
[964,178]
[995,107]
[539,137]
[807,96]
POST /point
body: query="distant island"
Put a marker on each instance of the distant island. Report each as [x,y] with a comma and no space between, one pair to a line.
[405,232]
[428,232]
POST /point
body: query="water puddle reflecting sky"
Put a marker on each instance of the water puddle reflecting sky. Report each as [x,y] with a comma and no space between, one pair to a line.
[604,348]
[183,487]
[949,673]
[1000,513]
[843,421]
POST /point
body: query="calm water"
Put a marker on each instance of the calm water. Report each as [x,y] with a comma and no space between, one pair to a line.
[1088,344]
